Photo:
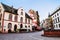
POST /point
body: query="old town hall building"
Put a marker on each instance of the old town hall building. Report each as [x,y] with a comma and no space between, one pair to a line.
[12,19]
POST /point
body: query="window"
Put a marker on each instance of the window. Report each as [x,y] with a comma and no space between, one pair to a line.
[0,24]
[15,18]
[29,26]
[54,21]
[59,25]
[26,26]
[29,21]
[56,26]
[25,20]
[21,9]
[21,20]
[21,13]
[0,16]
[10,16]
[53,16]
[58,19]
[57,14]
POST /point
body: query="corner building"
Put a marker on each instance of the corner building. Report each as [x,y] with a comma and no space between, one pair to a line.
[56,19]
[12,19]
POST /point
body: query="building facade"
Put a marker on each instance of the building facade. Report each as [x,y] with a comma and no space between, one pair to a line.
[56,18]
[36,22]
[47,23]
[12,19]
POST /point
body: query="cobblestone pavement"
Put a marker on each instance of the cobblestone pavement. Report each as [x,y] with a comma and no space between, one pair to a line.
[26,36]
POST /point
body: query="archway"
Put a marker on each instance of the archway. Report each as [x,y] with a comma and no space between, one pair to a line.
[15,27]
[21,25]
[33,28]
[9,31]
[9,27]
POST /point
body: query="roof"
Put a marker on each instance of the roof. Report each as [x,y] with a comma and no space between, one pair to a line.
[27,16]
[9,9]
[55,11]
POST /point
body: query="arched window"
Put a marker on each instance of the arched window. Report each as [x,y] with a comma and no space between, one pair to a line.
[9,26]
[15,18]
[21,13]
[10,16]
[21,19]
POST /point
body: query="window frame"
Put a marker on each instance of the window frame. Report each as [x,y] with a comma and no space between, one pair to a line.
[15,18]
[10,17]
[21,13]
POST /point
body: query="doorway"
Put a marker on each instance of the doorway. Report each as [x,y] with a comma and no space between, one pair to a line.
[9,27]
[15,28]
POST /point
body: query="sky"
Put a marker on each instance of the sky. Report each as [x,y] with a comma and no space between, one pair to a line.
[44,7]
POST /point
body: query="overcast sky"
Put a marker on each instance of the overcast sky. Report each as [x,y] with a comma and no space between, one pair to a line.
[42,6]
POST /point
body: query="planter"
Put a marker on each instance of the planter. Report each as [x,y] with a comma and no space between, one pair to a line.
[52,32]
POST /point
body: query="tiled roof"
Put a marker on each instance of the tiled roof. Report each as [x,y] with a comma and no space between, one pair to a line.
[27,16]
[55,11]
[9,9]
